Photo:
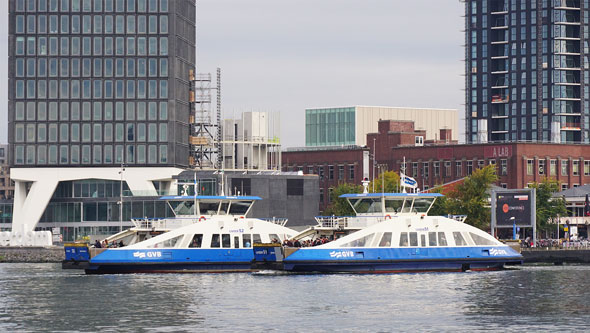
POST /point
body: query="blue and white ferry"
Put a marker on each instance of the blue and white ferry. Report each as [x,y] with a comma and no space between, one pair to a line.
[215,236]
[403,238]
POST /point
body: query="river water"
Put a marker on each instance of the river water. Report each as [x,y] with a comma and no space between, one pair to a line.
[42,297]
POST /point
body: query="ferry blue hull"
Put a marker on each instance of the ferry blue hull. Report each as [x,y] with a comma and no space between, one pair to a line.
[121,261]
[396,260]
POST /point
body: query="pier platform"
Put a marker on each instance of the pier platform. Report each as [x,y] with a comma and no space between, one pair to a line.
[556,256]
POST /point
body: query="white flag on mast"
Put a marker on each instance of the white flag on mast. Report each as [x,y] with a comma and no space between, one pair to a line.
[406,181]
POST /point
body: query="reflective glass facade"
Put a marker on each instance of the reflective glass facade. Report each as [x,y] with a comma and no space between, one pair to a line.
[330,127]
[527,70]
[100,82]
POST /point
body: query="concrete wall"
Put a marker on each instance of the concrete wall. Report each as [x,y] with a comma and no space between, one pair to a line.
[299,209]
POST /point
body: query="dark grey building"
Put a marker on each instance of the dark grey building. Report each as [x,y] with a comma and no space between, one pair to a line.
[527,70]
[100,82]
[284,194]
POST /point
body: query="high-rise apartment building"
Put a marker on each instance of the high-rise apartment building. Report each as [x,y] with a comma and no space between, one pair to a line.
[527,70]
[100,82]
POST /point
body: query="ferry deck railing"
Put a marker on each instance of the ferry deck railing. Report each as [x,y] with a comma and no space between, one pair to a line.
[350,222]
[162,224]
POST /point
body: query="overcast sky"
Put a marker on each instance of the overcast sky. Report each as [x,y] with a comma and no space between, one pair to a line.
[286,56]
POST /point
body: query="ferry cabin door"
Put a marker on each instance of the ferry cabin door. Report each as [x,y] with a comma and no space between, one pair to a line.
[423,244]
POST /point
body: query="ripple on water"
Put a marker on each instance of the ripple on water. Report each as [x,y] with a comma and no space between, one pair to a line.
[42,297]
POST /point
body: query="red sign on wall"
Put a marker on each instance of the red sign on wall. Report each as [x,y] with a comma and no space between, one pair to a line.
[497,151]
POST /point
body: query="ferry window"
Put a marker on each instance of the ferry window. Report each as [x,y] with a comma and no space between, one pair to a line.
[197,240]
[167,243]
[459,240]
[183,207]
[257,238]
[224,207]
[413,239]
[361,242]
[432,239]
[479,240]
[368,205]
[215,240]
[393,205]
[385,240]
[403,239]
[239,207]
[274,238]
[208,208]
[442,239]
[421,205]
[423,240]
[246,240]
[225,240]
[236,242]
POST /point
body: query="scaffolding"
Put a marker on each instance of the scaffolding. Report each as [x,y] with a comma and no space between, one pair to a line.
[205,131]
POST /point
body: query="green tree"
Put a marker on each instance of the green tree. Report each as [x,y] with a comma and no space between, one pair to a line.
[339,206]
[440,206]
[391,183]
[471,197]
[547,206]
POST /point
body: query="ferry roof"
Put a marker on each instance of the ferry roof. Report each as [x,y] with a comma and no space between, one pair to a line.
[379,195]
[209,197]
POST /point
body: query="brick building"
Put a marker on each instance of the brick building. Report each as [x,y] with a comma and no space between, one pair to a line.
[441,160]
[333,165]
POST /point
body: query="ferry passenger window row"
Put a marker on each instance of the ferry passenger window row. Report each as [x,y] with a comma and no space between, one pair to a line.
[225,241]
[412,239]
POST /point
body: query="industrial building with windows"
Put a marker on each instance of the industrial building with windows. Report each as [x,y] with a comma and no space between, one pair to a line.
[527,71]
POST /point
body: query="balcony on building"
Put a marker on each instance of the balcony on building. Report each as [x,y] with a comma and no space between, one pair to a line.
[567,17]
[499,66]
[499,82]
[566,32]
[499,51]
[566,108]
[499,37]
[500,111]
[499,7]
[568,5]
[567,62]
[567,47]
[499,22]
[566,93]
[570,123]
[566,78]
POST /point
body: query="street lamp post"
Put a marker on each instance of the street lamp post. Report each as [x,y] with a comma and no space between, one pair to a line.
[374,162]
[121,198]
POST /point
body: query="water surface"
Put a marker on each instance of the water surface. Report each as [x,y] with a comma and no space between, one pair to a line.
[42,297]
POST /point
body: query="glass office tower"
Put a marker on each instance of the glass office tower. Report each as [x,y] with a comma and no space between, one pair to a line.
[527,70]
[100,82]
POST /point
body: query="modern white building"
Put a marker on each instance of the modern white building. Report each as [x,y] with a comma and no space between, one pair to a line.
[252,142]
[337,126]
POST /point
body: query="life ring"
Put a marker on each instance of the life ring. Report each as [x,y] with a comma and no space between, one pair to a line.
[388,217]
[202,218]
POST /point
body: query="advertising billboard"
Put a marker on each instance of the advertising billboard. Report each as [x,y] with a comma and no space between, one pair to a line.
[514,207]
